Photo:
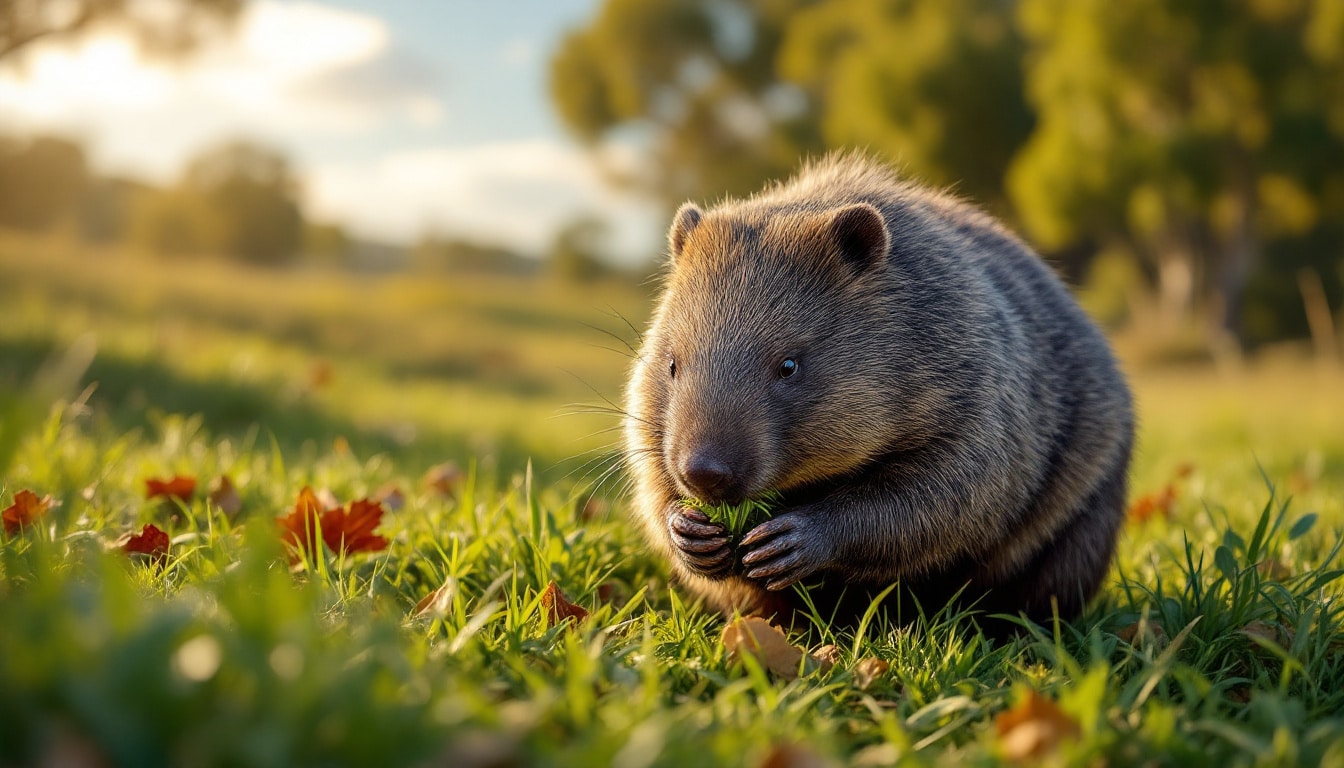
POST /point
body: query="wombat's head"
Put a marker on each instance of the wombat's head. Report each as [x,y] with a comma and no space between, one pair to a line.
[767,367]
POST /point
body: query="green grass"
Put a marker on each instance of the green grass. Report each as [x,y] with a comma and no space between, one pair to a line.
[227,656]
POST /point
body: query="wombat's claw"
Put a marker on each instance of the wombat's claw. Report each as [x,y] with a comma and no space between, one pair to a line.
[783,556]
[703,545]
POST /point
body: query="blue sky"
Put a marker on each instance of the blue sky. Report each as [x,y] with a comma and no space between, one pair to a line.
[403,117]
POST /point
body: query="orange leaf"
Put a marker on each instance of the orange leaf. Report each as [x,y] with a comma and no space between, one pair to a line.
[1152,505]
[350,532]
[756,637]
[299,527]
[180,487]
[436,602]
[225,497]
[149,541]
[444,478]
[793,756]
[25,510]
[558,607]
[1034,728]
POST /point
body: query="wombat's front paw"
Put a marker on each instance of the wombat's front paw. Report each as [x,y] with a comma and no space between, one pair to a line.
[786,549]
[702,544]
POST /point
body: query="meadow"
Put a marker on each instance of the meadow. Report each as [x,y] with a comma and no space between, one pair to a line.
[1217,639]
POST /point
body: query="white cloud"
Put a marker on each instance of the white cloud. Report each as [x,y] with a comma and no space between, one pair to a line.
[518,193]
[277,76]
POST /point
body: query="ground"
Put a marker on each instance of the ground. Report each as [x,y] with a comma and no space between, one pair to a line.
[1217,638]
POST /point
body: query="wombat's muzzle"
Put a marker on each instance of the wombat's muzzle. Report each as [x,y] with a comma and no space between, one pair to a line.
[711,477]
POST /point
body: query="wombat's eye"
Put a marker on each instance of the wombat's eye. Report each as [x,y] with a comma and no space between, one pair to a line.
[672,369]
[788,368]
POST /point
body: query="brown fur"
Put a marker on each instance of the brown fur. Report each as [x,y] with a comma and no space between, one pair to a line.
[955,420]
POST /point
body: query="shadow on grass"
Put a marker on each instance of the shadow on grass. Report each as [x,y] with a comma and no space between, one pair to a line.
[129,391]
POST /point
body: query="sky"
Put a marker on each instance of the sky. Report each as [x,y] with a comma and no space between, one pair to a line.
[403,117]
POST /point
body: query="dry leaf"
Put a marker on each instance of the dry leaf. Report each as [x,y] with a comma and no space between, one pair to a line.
[558,608]
[1274,569]
[349,532]
[1184,470]
[1153,636]
[180,487]
[299,527]
[25,510]
[391,497]
[757,638]
[320,375]
[150,541]
[1034,728]
[827,657]
[224,497]
[593,508]
[1266,631]
[436,602]
[1152,505]
[869,670]
[793,756]
[444,478]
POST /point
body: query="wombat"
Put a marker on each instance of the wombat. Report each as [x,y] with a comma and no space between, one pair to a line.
[929,402]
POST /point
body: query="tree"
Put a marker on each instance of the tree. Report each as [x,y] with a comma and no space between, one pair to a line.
[168,27]
[694,85]
[41,181]
[1192,132]
[574,251]
[935,86]
[252,196]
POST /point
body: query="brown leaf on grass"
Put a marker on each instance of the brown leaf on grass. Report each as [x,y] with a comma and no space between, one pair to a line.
[756,637]
[1274,569]
[180,487]
[869,670]
[391,497]
[558,608]
[298,529]
[788,755]
[827,657]
[1274,633]
[224,497]
[436,602]
[150,542]
[1184,470]
[25,510]
[349,532]
[320,375]
[444,478]
[1033,728]
[1151,505]
[1142,634]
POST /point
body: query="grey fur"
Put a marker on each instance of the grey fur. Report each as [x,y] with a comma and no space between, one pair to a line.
[956,421]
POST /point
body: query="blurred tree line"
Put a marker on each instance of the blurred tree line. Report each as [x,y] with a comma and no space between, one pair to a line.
[1192,150]
[236,199]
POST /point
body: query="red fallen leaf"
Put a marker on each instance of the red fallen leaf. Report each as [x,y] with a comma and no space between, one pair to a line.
[180,487]
[1151,505]
[25,510]
[149,541]
[299,527]
[350,532]
[225,497]
[558,607]
[1033,728]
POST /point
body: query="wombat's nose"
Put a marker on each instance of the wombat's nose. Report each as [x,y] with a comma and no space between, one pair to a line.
[710,478]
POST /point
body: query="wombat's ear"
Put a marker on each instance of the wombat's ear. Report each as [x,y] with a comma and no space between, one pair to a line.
[860,233]
[687,219]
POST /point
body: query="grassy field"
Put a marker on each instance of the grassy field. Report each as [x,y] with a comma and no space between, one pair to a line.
[1217,639]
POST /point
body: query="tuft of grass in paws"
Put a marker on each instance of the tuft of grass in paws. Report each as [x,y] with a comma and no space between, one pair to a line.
[740,518]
